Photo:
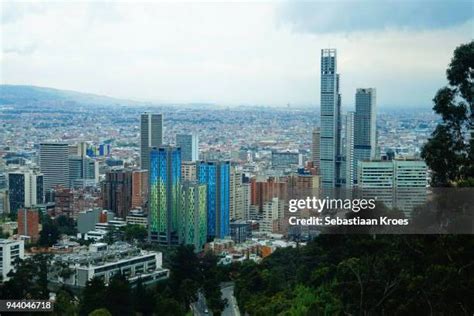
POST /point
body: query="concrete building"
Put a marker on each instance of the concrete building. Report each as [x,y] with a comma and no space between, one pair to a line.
[188,171]
[54,164]
[10,250]
[270,215]
[330,159]
[286,159]
[104,261]
[25,189]
[83,171]
[236,198]
[86,220]
[400,184]
[151,135]
[189,144]
[240,231]
[137,217]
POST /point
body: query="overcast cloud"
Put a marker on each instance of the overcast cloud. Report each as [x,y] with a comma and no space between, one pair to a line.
[235,52]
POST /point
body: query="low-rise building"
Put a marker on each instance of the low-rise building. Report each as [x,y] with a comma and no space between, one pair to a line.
[104,261]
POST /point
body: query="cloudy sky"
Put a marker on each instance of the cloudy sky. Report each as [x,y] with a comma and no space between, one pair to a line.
[233,52]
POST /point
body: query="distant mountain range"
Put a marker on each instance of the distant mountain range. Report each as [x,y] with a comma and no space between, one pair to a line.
[23,95]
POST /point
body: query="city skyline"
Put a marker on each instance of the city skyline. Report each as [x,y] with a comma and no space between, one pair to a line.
[272,59]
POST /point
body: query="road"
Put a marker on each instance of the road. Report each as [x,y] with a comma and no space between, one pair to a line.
[232,309]
[199,308]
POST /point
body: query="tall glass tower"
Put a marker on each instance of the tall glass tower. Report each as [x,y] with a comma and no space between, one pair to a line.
[216,174]
[330,157]
[151,135]
[365,140]
[165,178]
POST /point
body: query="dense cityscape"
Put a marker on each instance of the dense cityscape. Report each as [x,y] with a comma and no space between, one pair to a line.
[221,183]
[302,201]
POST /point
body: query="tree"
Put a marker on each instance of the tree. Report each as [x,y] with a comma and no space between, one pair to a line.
[211,284]
[66,225]
[135,232]
[49,234]
[28,280]
[118,296]
[93,296]
[65,303]
[100,312]
[448,153]
[185,275]
[143,299]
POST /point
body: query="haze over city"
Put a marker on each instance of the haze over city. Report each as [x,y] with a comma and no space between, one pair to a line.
[253,53]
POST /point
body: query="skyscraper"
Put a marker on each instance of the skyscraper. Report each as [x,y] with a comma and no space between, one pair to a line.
[189,146]
[316,147]
[349,168]
[193,217]
[117,191]
[330,159]
[139,188]
[236,198]
[151,135]
[54,164]
[25,189]
[164,194]
[365,140]
[83,171]
[216,174]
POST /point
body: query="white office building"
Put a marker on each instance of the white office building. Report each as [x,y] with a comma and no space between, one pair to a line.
[104,261]
[54,164]
[400,184]
[10,251]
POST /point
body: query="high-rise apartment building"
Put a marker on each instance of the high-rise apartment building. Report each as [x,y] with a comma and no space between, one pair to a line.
[236,198]
[117,191]
[164,194]
[349,168]
[188,171]
[193,215]
[316,147]
[28,223]
[216,174]
[25,189]
[270,215]
[330,144]
[151,135]
[139,188]
[189,144]
[54,164]
[365,140]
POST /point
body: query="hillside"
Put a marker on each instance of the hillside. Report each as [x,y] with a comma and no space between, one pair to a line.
[23,95]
